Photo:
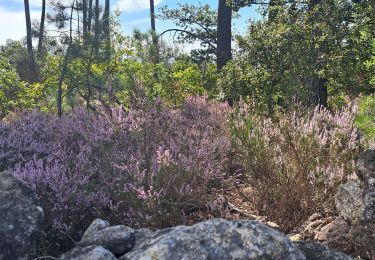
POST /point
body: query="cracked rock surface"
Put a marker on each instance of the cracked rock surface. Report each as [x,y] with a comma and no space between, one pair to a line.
[212,239]
[21,218]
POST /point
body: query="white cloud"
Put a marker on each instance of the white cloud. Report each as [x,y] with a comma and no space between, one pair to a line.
[13,25]
[132,6]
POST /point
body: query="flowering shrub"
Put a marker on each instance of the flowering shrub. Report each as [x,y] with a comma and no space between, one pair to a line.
[294,161]
[149,166]
[153,165]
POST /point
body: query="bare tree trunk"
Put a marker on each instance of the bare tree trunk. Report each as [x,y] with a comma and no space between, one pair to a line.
[29,42]
[78,23]
[152,15]
[97,27]
[84,17]
[106,27]
[318,83]
[60,82]
[89,16]
[88,82]
[41,29]
[155,55]
[106,18]
[318,89]
[224,34]
[322,92]
[64,66]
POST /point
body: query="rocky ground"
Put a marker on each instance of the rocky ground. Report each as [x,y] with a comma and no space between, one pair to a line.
[212,239]
[352,232]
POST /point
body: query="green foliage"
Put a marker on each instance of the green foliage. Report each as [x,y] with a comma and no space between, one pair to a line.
[281,59]
[370,65]
[182,79]
[16,53]
[16,94]
[173,82]
[142,46]
[11,88]
[365,119]
[194,23]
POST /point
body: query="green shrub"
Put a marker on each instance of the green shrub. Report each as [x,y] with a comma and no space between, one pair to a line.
[365,119]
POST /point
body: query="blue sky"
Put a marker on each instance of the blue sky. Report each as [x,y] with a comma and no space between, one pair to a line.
[134,14]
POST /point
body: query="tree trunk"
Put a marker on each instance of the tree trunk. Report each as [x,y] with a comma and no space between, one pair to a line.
[97,27]
[84,17]
[318,85]
[155,55]
[30,53]
[88,82]
[89,16]
[41,29]
[106,27]
[64,66]
[59,85]
[106,18]
[318,89]
[152,15]
[224,34]
[323,93]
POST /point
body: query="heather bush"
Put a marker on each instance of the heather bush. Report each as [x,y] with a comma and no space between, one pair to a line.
[294,161]
[24,138]
[148,166]
[153,165]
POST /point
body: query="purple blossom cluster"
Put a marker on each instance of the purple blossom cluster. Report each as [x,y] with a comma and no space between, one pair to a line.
[147,166]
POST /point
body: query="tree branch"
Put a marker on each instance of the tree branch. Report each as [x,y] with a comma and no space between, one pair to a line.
[190,33]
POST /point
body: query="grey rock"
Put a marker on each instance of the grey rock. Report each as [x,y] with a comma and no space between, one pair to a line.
[336,235]
[117,239]
[141,235]
[348,201]
[21,218]
[88,253]
[216,239]
[315,251]
[366,164]
[96,225]
[363,228]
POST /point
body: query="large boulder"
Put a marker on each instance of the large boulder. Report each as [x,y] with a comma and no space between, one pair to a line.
[348,201]
[212,239]
[216,239]
[96,225]
[315,251]
[21,218]
[117,239]
[88,253]
[363,228]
